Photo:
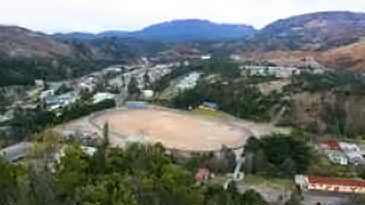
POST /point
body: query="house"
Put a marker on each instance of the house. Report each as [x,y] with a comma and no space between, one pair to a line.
[67,98]
[209,106]
[60,101]
[205,57]
[337,185]
[188,81]
[86,87]
[46,94]
[337,157]
[331,145]
[147,94]
[352,152]
[332,149]
[202,175]
[99,97]
[89,150]
[39,83]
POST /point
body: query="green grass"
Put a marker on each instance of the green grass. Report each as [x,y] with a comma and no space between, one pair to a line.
[219,180]
[209,113]
[269,181]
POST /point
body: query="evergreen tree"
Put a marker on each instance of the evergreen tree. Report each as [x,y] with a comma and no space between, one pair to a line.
[133,88]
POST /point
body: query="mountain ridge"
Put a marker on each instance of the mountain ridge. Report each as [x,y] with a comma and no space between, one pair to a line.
[175,31]
[329,39]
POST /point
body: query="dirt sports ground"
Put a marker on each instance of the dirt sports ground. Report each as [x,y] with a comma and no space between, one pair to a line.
[175,129]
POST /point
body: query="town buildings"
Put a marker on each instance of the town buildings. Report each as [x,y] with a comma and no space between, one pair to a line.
[341,152]
[276,71]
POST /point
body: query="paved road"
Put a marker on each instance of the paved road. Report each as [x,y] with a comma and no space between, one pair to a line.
[312,198]
[16,152]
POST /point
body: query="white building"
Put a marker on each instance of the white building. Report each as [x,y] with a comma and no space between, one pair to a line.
[39,83]
[278,72]
[205,57]
[99,97]
[352,152]
[46,94]
[147,94]
[188,81]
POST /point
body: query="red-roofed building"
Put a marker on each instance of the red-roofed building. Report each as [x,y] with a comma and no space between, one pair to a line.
[331,145]
[202,175]
[338,185]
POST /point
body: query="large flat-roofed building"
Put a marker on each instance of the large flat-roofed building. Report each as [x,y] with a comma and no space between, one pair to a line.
[337,185]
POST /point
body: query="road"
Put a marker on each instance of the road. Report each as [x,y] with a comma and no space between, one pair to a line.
[16,152]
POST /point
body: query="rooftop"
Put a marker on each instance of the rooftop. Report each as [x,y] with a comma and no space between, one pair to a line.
[332,144]
[337,181]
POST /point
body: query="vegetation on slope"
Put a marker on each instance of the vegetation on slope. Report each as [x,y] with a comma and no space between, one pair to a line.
[138,174]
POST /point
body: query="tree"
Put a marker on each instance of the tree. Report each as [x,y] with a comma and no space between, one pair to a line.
[295,198]
[9,175]
[106,134]
[133,88]
[71,172]
[229,158]
[251,197]
[46,146]
[146,80]
[99,158]
[288,154]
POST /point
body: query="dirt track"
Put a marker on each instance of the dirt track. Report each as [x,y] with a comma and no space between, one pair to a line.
[173,128]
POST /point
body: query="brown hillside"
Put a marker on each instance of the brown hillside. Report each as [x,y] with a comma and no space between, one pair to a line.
[20,42]
[350,56]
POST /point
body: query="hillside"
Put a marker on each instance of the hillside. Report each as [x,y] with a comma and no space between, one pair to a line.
[26,55]
[349,56]
[20,42]
[329,39]
[323,30]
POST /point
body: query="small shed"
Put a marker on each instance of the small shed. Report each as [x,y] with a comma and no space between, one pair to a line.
[147,94]
[209,105]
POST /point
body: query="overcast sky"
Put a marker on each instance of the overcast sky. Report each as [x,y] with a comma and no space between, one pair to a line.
[99,15]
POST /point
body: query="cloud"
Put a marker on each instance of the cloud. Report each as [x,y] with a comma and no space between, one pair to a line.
[98,15]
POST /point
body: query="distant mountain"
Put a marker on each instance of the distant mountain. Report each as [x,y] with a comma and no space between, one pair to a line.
[176,31]
[193,29]
[75,36]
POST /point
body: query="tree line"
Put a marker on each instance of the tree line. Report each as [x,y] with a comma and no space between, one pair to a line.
[137,174]
[26,122]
